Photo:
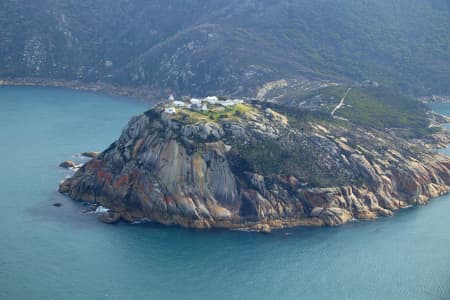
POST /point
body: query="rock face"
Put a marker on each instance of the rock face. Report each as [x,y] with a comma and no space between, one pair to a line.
[257,168]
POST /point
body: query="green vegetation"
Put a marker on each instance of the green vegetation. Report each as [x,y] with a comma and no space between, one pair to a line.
[304,159]
[325,99]
[214,113]
[381,108]
[266,156]
[376,107]
[197,47]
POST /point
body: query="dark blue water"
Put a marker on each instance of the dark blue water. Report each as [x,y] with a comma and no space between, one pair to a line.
[62,253]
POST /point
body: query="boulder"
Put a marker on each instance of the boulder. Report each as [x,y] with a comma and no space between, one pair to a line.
[316,211]
[90,154]
[335,216]
[263,228]
[68,164]
[109,217]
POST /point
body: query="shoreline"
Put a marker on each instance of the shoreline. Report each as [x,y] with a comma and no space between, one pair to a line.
[76,85]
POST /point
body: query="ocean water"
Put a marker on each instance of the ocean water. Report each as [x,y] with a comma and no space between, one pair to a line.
[62,253]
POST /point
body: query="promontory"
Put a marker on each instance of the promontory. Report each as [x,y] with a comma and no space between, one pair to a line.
[321,159]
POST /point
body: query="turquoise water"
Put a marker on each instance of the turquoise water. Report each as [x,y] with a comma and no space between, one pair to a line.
[62,253]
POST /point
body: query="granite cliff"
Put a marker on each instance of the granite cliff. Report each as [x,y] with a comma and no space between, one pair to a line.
[257,166]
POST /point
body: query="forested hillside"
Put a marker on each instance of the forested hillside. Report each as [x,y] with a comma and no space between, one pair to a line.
[201,47]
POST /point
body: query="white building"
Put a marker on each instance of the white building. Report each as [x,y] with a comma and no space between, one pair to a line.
[179,104]
[171,97]
[196,101]
[199,104]
[212,99]
[227,103]
[195,104]
[170,110]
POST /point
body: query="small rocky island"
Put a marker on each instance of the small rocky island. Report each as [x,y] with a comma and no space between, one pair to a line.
[258,165]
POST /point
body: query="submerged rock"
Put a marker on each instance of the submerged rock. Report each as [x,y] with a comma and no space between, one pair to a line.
[250,166]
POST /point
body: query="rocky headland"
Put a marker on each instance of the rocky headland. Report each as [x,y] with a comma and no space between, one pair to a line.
[252,166]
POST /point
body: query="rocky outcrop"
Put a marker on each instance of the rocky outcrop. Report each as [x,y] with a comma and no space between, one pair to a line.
[256,168]
[109,217]
[68,164]
[90,154]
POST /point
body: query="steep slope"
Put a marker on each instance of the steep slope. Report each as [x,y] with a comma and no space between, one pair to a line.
[198,47]
[252,166]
